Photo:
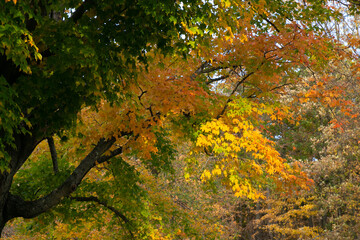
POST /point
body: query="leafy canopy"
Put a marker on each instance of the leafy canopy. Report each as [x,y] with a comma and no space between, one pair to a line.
[135,79]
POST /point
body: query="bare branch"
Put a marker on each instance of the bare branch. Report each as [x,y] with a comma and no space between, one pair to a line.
[233,92]
[269,22]
[205,68]
[211,80]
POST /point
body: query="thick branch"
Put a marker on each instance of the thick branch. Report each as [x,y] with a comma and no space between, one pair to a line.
[17,207]
[53,154]
[111,155]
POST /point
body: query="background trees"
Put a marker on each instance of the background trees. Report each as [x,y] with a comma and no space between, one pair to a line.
[132,92]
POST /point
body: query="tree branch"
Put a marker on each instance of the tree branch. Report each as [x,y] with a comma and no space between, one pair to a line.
[205,68]
[79,12]
[53,154]
[103,203]
[269,22]
[211,80]
[17,207]
[106,205]
[233,92]
[280,86]
[111,155]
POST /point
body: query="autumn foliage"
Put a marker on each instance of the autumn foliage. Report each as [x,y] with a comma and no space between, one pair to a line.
[179,119]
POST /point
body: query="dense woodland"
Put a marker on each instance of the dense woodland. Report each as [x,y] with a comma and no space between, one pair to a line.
[193,119]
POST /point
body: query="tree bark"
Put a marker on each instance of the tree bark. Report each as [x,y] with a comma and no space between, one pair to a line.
[53,154]
[12,206]
[25,144]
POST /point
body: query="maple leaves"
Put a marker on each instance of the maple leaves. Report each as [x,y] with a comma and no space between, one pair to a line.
[246,158]
[215,74]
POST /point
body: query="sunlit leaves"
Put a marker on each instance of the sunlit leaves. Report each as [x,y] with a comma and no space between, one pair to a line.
[246,158]
[146,74]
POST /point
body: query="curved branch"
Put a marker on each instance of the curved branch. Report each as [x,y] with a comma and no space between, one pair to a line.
[103,203]
[17,207]
[106,205]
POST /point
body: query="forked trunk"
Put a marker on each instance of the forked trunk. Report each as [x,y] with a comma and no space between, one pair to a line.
[13,206]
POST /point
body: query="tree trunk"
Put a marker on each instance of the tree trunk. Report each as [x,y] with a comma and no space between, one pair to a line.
[2,220]
[25,145]
[2,224]
[4,192]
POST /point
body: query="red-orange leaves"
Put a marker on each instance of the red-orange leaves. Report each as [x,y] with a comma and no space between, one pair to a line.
[159,93]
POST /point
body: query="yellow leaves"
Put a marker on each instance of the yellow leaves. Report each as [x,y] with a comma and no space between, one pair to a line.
[236,130]
[243,38]
[229,137]
[216,171]
[226,3]
[202,141]
[215,127]
[229,36]
[187,176]
[247,157]
[206,175]
[257,168]
[244,188]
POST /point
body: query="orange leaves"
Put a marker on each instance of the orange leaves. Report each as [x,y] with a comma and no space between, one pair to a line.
[335,91]
[14,1]
[159,94]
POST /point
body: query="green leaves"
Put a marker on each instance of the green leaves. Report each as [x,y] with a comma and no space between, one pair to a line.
[30,181]
[16,41]
[10,119]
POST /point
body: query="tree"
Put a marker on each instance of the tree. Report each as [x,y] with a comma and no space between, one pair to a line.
[97,45]
[114,76]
